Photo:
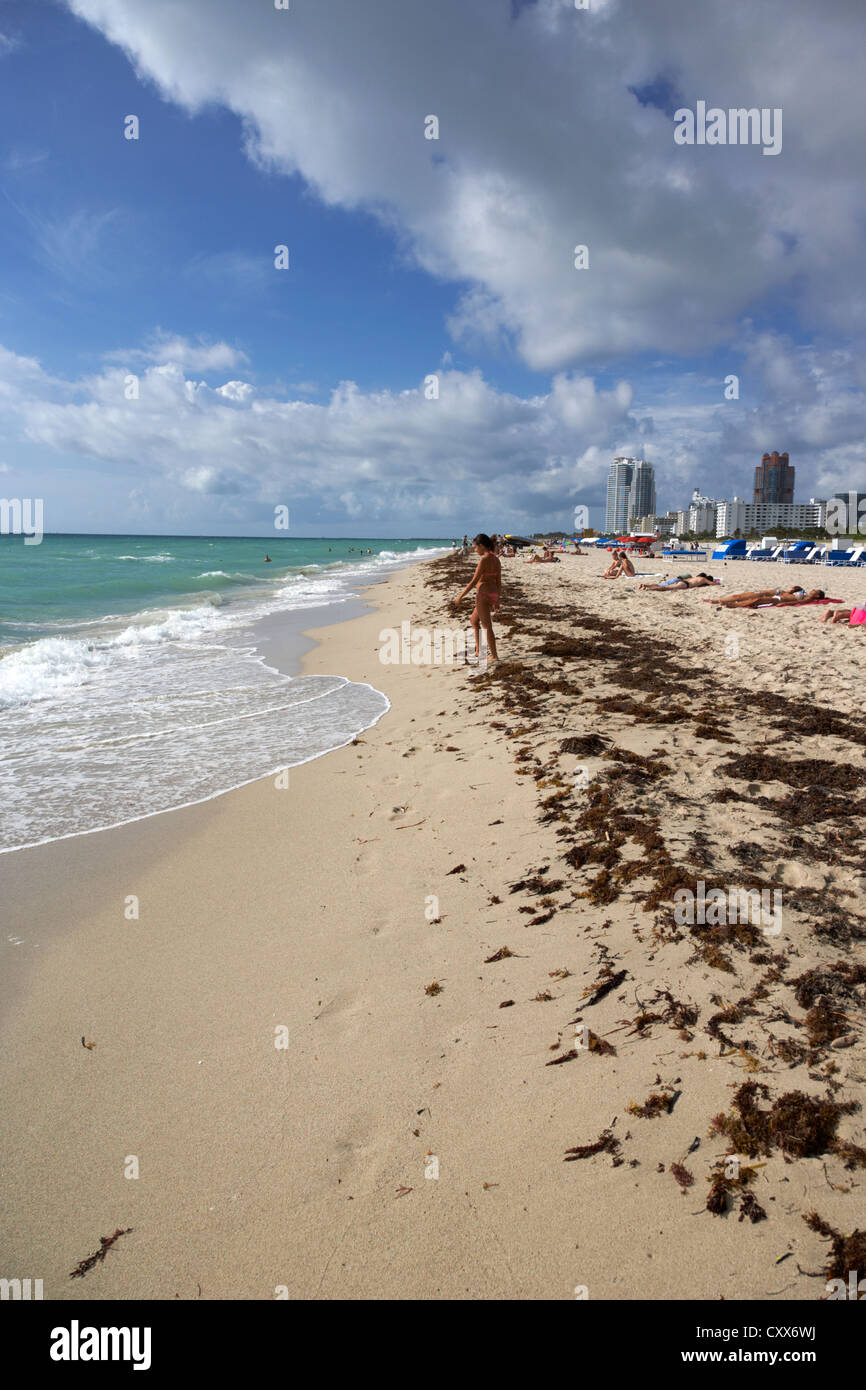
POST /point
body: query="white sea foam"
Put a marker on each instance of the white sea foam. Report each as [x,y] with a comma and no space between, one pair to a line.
[151,559]
[44,669]
[130,716]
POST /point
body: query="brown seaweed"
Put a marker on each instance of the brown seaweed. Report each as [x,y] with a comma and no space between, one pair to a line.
[105,1244]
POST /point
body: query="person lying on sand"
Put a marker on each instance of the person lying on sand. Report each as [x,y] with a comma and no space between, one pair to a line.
[760,596]
[853,616]
[487,582]
[682,581]
[548,558]
[788,598]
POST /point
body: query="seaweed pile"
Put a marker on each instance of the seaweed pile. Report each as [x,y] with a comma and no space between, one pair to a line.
[629,834]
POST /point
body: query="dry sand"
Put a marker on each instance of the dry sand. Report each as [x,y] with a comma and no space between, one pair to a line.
[307,907]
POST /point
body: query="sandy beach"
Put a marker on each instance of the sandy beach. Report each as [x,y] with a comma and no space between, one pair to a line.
[238,1001]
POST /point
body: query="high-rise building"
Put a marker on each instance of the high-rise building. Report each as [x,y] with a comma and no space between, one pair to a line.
[774,479]
[642,492]
[631,493]
[618,484]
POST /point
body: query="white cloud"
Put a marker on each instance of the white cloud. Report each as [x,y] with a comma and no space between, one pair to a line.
[543,146]
[384,454]
[399,457]
[200,356]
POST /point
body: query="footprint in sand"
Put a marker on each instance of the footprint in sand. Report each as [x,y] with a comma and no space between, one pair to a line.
[794,875]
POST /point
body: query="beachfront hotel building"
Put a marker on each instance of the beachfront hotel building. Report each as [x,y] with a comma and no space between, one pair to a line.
[774,480]
[701,514]
[738,515]
[631,493]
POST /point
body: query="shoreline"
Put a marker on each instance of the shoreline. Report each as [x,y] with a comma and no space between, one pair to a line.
[311,909]
[159,841]
[280,642]
[300,644]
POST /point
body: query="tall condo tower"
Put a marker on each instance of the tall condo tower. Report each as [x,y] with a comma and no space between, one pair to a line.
[618,488]
[774,479]
[631,493]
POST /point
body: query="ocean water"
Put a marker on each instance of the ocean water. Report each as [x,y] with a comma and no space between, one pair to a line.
[131,681]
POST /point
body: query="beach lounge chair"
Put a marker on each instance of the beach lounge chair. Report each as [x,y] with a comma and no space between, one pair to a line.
[838,557]
[730,550]
[796,554]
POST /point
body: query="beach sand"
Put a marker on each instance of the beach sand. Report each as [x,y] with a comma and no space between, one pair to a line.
[408,1144]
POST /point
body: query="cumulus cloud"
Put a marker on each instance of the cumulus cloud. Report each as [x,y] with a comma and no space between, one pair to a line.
[199,356]
[394,454]
[552,133]
[812,404]
[406,460]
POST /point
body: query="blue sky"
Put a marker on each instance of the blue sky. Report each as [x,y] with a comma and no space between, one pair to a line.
[109,237]
[410,257]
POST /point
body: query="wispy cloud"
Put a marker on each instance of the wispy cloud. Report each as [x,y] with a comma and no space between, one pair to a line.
[20,159]
[199,356]
[70,244]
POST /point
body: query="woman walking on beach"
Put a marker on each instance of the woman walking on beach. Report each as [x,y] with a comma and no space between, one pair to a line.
[487,582]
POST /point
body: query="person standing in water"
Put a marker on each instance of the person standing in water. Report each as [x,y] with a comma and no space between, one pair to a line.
[487,582]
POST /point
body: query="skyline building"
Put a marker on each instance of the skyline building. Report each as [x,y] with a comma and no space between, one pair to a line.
[737,515]
[631,493]
[618,486]
[774,480]
[642,491]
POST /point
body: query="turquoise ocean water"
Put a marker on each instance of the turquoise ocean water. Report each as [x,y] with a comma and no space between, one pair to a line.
[130,680]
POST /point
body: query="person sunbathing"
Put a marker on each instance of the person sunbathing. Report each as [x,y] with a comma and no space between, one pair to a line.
[548,558]
[852,616]
[778,598]
[759,596]
[682,581]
